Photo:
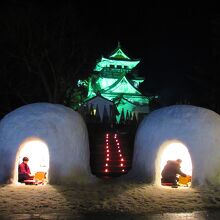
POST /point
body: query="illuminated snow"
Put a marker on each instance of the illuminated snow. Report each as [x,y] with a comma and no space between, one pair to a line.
[194,127]
[38,154]
[173,150]
[58,133]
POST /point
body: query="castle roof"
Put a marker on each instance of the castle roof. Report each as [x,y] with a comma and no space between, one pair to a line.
[117,58]
[119,54]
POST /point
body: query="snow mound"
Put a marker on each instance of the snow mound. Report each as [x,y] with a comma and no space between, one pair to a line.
[195,127]
[60,128]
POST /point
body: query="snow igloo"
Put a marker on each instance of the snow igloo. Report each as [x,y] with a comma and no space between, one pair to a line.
[182,132]
[52,136]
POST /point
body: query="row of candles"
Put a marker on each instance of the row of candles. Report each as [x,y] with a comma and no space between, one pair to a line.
[118,150]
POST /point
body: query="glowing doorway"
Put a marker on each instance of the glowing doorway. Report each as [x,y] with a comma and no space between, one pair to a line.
[173,150]
[38,154]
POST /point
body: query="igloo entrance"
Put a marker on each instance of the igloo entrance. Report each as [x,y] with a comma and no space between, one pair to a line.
[37,152]
[173,150]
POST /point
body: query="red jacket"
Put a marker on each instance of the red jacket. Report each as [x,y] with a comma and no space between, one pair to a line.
[23,168]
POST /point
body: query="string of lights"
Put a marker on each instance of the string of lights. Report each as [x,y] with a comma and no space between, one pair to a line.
[113,150]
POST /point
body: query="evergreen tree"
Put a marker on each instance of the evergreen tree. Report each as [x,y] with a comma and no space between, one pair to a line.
[134,119]
[105,118]
[97,114]
[122,118]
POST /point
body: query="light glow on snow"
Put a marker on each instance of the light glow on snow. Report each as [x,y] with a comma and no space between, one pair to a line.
[38,154]
[173,150]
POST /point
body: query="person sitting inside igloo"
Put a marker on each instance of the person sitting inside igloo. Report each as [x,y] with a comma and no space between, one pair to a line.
[171,171]
[24,172]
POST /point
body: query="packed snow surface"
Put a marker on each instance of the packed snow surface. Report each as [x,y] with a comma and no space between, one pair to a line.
[106,198]
[194,127]
[59,128]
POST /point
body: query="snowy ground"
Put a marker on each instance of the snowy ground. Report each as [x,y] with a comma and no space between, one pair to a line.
[105,197]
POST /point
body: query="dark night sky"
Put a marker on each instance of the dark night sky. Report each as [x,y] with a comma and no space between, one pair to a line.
[164,38]
[169,39]
[160,35]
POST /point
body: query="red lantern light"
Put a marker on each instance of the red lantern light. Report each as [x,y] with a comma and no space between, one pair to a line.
[106,170]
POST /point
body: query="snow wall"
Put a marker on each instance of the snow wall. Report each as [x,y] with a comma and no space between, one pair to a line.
[195,127]
[60,128]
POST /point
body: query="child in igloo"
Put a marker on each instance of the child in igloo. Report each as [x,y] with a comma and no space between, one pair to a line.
[24,172]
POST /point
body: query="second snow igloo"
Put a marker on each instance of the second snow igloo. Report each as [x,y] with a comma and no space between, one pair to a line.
[180,131]
[55,139]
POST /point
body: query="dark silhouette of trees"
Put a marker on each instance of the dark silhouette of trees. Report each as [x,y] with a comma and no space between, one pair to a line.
[44,51]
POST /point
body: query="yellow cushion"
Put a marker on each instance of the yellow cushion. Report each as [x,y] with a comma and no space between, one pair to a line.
[40,175]
[184,180]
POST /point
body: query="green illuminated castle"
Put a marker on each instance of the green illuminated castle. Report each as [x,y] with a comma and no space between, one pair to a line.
[114,85]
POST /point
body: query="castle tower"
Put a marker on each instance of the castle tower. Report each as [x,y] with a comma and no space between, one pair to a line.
[115,79]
